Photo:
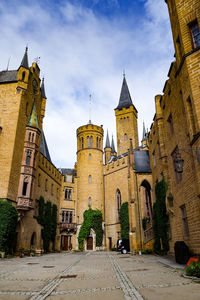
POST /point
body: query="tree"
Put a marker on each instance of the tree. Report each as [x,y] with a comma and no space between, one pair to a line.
[8,224]
[124,220]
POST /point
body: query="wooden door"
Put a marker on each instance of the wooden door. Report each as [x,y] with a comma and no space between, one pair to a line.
[66,243]
[89,243]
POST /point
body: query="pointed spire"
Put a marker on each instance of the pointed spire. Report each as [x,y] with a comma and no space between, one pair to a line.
[43,95]
[33,120]
[125,97]
[107,141]
[144,132]
[24,62]
[113,145]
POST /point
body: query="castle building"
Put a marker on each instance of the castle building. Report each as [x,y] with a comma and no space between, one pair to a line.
[174,135]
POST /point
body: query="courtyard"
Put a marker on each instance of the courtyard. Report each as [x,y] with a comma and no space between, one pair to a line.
[94,275]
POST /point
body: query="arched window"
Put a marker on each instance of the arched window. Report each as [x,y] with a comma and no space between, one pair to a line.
[28,158]
[23,75]
[97,142]
[147,200]
[125,137]
[90,179]
[88,141]
[29,136]
[25,186]
[121,120]
[124,120]
[118,203]
[32,137]
[89,201]
[90,156]
[127,119]
[91,141]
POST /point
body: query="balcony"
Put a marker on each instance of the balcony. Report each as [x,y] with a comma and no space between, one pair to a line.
[71,227]
[148,235]
[24,203]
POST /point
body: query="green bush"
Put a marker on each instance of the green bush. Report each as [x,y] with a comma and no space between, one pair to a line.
[92,219]
[193,269]
[124,220]
[160,219]
[8,224]
[47,218]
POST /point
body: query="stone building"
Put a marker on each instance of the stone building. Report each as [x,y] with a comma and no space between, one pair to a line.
[174,135]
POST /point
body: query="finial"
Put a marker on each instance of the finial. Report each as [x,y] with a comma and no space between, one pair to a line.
[90,104]
[124,73]
[26,49]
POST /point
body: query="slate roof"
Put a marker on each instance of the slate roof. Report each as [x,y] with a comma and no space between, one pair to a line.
[113,145]
[142,163]
[43,89]
[44,148]
[8,76]
[33,120]
[107,141]
[66,171]
[24,62]
[125,97]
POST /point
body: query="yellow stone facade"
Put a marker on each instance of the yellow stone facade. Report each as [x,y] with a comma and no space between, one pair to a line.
[174,134]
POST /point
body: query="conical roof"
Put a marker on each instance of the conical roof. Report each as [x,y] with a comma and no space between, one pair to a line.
[44,148]
[43,89]
[24,62]
[125,97]
[144,133]
[113,145]
[33,120]
[107,141]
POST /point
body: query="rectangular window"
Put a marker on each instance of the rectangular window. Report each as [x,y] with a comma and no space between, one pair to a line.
[178,176]
[185,221]
[68,194]
[170,122]
[191,115]
[69,178]
[195,34]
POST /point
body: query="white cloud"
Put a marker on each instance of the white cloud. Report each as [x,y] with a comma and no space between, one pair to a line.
[82,54]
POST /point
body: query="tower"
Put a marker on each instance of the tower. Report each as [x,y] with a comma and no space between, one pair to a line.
[126,121]
[107,149]
[90,187]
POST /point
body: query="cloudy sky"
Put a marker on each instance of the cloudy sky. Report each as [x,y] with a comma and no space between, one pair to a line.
[84,47]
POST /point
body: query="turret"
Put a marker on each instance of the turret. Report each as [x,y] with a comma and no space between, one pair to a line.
[113,151]
[126,120]
[107,149]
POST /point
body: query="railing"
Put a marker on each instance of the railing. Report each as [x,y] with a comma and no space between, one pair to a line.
[148,235]
[68,227]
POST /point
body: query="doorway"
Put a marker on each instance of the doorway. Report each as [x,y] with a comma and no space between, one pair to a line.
[90,243]
[110,243]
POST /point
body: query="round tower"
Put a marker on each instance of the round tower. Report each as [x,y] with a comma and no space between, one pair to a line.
[90,187]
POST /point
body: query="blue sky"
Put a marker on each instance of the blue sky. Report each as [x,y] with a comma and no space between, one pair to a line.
[84,47]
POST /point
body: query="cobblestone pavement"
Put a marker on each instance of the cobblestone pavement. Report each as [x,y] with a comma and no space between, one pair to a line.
[94,275]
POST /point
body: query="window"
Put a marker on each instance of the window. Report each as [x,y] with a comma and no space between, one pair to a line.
[97,142]
[170,122]
[23,75]
[82,142]
[25,185]
[28,157]
[91,141]
[178,176]
[90,179]
[124,120]
[39,178]
[127,119]
[195,34]
[191,115]
[68,194]
[88,141]
[121,120]
[90,156]
[52,189]
[89,201]
[32,137]
[154,158]
[67,217]
[69,178]
[118,203]
[185,221]
[125,137]
[46,182]
[29,136]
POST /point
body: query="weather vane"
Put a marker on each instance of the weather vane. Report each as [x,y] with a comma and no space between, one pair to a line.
[90,105]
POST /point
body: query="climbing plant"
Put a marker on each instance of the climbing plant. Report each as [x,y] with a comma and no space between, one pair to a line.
[47,218]
[124,220]
[92,219]
[8,223]
[160,219]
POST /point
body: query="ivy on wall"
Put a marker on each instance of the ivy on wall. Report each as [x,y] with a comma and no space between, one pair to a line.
[8,223]
[124,220]
[47,218]
[92,219]
[160,219]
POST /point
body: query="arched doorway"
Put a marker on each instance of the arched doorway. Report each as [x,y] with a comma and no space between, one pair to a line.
[147,200]
[33,240]
[90,243]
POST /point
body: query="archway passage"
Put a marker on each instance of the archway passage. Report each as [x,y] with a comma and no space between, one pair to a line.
[147,199]
[90,243]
